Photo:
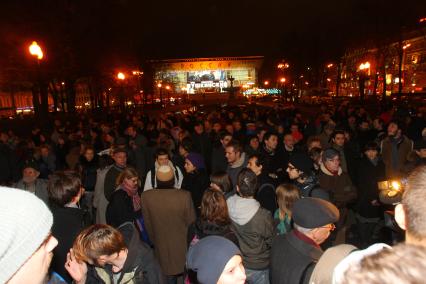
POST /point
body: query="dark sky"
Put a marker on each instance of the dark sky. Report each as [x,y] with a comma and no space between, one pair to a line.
[95,34]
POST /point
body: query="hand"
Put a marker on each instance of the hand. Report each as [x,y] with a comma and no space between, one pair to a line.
[77,270]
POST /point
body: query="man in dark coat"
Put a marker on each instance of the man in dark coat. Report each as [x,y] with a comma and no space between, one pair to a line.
[219,161]
[119,155]
[294,255]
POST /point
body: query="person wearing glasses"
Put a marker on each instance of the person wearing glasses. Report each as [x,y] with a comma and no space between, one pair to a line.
[294,255]
[300,171]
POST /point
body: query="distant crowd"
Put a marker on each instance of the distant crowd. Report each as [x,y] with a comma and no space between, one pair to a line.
[230,195]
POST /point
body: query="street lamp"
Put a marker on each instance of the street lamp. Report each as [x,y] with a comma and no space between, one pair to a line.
[266,83]
[35,50]
[363,75]
[121,76]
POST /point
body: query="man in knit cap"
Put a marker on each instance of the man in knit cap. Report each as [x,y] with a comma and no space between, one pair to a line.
[216,260]
[300,171]
[26,244]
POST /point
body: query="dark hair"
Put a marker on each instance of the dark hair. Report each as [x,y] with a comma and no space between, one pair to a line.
[214,208]
[161,152]
[260,160]
[268,135]
[166,184]
[335,133]
[236,145]
[223,134]
[222,180]
[247,183]
[63,187]
[371,146]
[315,153]
[186,144]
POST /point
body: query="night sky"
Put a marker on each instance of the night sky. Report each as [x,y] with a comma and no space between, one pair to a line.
[92,35]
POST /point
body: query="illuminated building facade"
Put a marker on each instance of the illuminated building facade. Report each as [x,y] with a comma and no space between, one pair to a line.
[205,75]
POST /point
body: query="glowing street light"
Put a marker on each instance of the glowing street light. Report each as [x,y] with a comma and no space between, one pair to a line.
[167,87]
[282,80]
[364,66]
[330,65]
[266,83]
[121,76]
[159,85]
[406,46]
[35,50]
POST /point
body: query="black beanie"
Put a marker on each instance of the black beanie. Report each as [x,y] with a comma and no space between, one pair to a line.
[302,162]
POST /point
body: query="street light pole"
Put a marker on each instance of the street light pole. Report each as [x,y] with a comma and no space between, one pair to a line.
[36,51]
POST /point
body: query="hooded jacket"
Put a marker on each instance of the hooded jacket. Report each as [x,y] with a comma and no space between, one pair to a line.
[254,228]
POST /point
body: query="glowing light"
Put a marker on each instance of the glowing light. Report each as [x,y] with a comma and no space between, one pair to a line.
[159,85]
[167,87]
[406,46]
[396,185]
[364,66]
[328,80]
[330,65]
[282,80]
[35,50]
[121,76]
[266,83]
[63,83]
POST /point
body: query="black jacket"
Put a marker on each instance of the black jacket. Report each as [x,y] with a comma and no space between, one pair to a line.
[369,175]
[292,259]
[120,209]
[88,172]
[311,188]
[200,229]
[67,224]
[266,193]
[196,183]
[140,265]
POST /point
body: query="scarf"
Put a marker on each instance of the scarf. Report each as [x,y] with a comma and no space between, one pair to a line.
[133,193]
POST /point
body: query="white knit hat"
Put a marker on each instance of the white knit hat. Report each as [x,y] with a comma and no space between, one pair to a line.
[25,222]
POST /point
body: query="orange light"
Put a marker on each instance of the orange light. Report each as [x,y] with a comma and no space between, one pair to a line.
[167,87]
[364,66]
[282,80]
[406,46]
[159,85]
[35,50]
[121,76]
[266,83]
[330,65]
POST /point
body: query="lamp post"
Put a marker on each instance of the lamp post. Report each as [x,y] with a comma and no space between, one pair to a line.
[283,88]
[121,95]
[363,76]
[36,52]
[159,85]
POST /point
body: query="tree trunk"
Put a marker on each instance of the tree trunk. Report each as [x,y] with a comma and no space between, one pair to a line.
[36,99]
[70,91]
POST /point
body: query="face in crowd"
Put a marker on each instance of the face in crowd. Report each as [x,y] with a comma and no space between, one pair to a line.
[333,165]
[189,167]
[120,159]
[289,141]
[225,140]
[339,139]
[272,142]
[231,155]
[252,165]
[293,173]
[234,272]
[163,160]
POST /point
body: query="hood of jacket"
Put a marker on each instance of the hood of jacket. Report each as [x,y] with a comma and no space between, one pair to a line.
[242,210]
[327,172]
[240,162]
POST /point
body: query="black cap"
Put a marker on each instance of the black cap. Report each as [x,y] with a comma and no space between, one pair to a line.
[302,162]
[32,164]
[313,213]
[420,144]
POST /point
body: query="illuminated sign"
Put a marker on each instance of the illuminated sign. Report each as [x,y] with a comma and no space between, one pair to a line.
[256,91]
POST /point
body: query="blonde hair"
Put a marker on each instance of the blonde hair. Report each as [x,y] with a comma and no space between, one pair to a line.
[126,173]
[287,194]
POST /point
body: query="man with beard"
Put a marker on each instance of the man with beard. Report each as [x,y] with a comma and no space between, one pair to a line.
[32,183]
[395,149]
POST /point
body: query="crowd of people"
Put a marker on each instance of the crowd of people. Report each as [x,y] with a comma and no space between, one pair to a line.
[229,195]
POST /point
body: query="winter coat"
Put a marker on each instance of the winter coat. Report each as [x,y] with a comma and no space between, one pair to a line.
[235,169]
[219,161]
[339,186]
[167,215]
[40,188]
[369,176]
[88,172]
[254,229]
[140,267]
[67,224]
[404,148]
[293,259]
[201,229]
[311,188]
[120,209]
[196,183]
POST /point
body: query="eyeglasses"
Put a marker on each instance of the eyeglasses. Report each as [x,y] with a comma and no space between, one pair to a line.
[330,227]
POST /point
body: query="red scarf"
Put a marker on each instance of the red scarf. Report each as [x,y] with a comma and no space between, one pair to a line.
[133,193]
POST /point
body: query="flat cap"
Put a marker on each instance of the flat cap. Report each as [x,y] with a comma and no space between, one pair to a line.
[313,212]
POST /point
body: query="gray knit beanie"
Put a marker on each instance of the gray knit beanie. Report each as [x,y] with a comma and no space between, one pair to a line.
[209,257]
[25,224]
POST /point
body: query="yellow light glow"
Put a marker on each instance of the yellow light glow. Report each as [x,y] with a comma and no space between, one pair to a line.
[121,76]
[266,83]
[159,85]
[396,185]
[35,50]
[330,65]
[167,87]
[282,80]
[406,46]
